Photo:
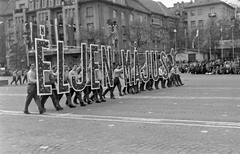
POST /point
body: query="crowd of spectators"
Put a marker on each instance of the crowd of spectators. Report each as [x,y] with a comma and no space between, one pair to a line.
[210,67]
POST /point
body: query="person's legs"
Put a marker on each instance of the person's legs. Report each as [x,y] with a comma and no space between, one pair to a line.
[30,95]
[43,101]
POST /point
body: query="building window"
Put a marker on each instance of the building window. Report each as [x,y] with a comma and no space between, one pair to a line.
[21,6]
[193,24]
[31,5]
[44,4]
[123,19]
[114,14]
[51,3]
[10,22]
[192,12]
[73,12]
[58,2]
[46,16]
[89,17]
[37,4]
[200,23]
[89,11]
[131,17]
[155,21]
[140,18]
[200,12]
[212,10]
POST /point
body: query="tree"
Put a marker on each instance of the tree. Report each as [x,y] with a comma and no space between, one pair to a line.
[212,35]
[94,36]
[138,33]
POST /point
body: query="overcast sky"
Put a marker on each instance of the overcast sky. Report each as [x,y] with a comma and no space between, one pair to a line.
[169,3]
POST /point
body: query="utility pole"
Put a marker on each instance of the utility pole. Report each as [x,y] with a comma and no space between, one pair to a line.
[232,19]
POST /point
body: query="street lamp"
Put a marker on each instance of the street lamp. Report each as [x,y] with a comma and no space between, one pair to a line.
[175,38]
[233,19]
[112,24]
[211,15]
[26,35]
[221,41]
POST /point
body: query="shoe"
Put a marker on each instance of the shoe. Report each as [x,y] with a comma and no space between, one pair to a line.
[89,102]
[26,112]
[75,102]
[83,104]
[113,97]
[42,111]
[71,106]
[121,94]
[103,100]
[97,101]
[59,108]
[182,84]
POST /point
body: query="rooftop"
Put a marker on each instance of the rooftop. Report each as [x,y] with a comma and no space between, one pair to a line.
[206,2]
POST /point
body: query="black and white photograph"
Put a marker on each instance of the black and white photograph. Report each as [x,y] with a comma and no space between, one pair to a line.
[119,76]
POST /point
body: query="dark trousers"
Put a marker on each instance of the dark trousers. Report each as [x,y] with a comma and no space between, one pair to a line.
[178,78]
[169,83]
[107,90]
[149,84]
[14,80]
[24,78]
[19,78]
[54,98]
[68,97]
[96,93]
[142,84]
[156,83]
[77,96]
[136,87]
[163,82]
[32,94]
[118,84]
[87,90]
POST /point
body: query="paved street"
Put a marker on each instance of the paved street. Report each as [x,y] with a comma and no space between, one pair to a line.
[201,117]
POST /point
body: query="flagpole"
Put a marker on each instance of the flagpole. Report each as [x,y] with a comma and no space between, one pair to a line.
[198,41]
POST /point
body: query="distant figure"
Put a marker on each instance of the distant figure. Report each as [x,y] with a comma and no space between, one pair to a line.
[19,76]
[14,77]
[25,75]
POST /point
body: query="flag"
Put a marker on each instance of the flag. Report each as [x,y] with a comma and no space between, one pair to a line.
[195,38]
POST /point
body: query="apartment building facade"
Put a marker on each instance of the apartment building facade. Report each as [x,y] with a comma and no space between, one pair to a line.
[87,21]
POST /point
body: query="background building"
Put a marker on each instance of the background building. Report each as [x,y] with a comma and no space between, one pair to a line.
[119,23]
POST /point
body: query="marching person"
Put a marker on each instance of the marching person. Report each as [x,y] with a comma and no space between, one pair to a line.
[25,75]
[32,90]
[116,82]
[144,72]
[178,77]
[19,76]
[14,77]
[50,79]
[117,74]
[98,92]
[74,72]
[87,90]
[68,95]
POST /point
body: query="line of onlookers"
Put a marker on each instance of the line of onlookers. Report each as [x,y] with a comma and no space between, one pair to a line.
[210,67]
